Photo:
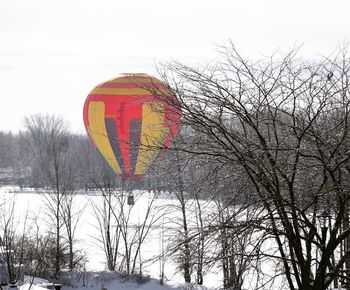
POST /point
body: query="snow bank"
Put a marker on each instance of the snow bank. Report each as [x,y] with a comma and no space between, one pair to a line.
[99,280]
[28,286]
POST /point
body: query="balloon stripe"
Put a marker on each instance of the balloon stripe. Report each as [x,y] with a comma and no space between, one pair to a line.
[98,132]
[86,121]
[130,91]
[132,79]
[135,135]
[111,126]
[130,85]
[153,133]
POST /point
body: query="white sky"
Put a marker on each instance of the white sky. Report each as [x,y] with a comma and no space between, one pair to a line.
[53,52]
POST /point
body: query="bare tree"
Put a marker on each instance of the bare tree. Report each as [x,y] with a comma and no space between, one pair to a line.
[110,233]
[283,123]
[172,172]
[71,214]
[14,232]
[134,233]
[120,235]
[50,145]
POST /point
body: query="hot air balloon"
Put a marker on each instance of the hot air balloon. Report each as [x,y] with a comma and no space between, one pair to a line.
[131,120]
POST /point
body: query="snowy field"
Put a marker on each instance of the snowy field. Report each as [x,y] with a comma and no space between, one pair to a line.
[31,204]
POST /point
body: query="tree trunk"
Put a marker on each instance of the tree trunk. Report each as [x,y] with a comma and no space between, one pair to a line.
[58,241]
[347,248]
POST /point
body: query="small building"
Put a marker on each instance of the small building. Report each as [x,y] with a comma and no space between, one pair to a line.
[11,176]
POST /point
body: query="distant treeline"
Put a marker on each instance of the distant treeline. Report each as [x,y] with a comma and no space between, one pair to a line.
[19,165]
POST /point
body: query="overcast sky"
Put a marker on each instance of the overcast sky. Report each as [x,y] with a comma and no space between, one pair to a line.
[52,53]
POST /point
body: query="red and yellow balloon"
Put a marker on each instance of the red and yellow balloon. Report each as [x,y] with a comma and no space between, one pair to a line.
[131,120]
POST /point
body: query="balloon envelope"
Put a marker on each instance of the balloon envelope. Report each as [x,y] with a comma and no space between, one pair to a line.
[131,119]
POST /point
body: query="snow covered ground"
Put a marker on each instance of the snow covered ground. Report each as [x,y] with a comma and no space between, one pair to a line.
[107,281]
[115,285]
[32,204]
